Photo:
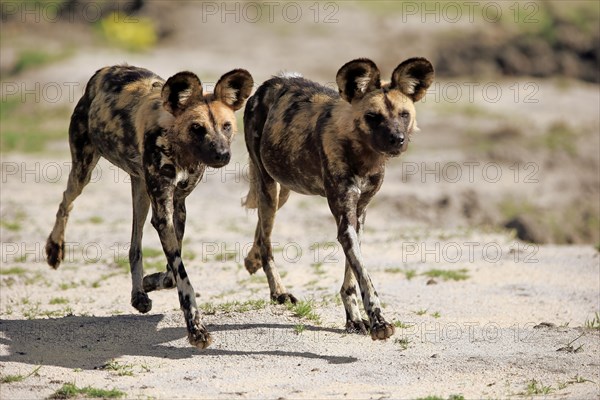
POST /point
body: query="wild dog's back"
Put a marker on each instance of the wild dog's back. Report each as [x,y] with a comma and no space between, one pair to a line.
[283,121]
[113,98]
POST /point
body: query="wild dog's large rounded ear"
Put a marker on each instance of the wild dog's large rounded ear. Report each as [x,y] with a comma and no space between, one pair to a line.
[413,77]
[234,88]
[181,91]
[356,78]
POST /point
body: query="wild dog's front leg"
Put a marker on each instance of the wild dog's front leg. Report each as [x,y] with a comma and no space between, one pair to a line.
[348,292]
[344,207]
[162,220]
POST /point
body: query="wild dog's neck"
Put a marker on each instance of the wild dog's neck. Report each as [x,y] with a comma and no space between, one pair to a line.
[366,159]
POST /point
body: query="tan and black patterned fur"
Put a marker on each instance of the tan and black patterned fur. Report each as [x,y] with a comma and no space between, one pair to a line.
[163,134]
[306,138]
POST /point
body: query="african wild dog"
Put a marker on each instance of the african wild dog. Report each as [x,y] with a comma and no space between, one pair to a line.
[163,134]
[304,137]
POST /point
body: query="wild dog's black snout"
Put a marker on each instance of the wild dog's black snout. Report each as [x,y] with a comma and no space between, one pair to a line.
[222,156]
[390,139]
[219,155]
[396,140]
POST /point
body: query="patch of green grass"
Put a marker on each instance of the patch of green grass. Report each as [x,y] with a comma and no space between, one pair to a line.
[255,279]
[156,265]
[121,369]
[67,285]
[14,226]
[448,275]
[123,264]
[299,328]
[19,378]
[594,323]
[58,300]
[69,390]
[149,252]
[33,311]
[436,314]
[312,282]
[410,273]
[422,311]
[37,277]
[305,309]
[226,255]
[403,342]
[104,277]
[401,325]
[535,388]
[233,306]
[13,271]
[96,219]
[318,268]
[14,221]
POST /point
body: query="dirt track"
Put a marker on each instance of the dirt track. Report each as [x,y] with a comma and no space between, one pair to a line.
[475,337]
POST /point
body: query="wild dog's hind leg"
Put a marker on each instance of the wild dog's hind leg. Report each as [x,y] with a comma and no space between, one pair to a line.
[253,260]
[84,158]
[141,203]
[269,195]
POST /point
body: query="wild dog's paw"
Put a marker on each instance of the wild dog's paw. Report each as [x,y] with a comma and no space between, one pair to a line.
[253,262]
[141,302]
[284,298]
[360,327]
[158,281]
[54,253]
[199,337]
[382,330]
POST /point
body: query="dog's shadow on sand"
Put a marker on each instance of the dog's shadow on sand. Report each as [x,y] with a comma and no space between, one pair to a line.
[90,342]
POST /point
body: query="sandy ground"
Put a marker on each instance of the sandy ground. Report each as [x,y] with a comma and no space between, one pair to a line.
[476,337]
[487,336]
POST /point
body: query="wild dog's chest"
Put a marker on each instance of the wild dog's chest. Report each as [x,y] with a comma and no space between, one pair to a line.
[160,164]
[186,179]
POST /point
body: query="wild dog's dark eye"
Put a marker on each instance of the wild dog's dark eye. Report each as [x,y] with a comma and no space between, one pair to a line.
[198,129]
[404,114]
[373,118]
[227,126]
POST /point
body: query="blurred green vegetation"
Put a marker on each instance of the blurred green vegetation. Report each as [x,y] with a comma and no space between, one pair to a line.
[33,58]
[131,33]
[560,137]
[542,18]
[28,127]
